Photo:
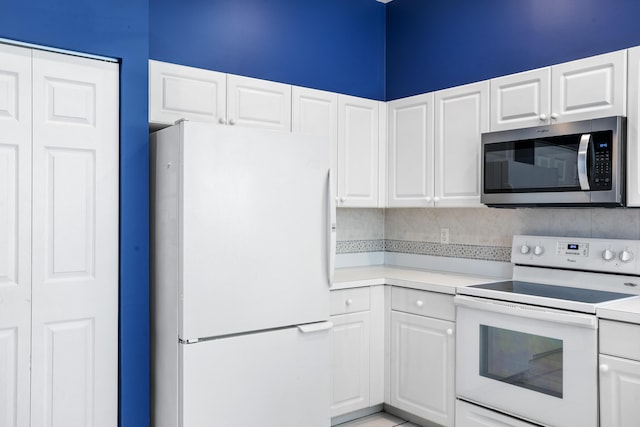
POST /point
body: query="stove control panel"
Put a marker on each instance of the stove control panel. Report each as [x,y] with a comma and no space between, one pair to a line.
[600,255]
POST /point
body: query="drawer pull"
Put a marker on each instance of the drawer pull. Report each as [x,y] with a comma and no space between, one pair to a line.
[348,302]
[419,303]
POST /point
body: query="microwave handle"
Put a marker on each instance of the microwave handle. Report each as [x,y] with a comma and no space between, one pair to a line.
[583,151]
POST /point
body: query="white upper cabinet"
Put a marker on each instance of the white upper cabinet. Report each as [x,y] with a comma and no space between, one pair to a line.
[590,88]
[410,152]
[633,129]
[316,112]
[521,100]
[578,90]
[258,103]
[177,92]
[461,116]
[358,152]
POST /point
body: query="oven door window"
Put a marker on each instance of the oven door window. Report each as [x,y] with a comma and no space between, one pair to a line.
[525,360]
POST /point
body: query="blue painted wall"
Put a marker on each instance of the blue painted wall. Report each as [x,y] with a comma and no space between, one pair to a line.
[118,29]
[335,45]
[437,44]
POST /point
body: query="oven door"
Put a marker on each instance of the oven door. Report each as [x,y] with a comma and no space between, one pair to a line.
[535,363]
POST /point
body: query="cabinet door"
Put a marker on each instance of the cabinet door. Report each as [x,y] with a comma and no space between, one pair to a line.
[258,103]
[316,112]
[75,242]
[410,152]
[619,392]
[633,129]
[422,367]
[521,100]
[350,363]
[590,88]
[15,234]
[177,92]
[462,114]
[358,152]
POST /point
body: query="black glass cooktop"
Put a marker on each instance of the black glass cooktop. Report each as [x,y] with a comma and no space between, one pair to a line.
[552,291]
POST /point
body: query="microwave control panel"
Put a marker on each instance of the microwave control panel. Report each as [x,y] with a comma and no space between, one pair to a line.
[602,155]
[601,255]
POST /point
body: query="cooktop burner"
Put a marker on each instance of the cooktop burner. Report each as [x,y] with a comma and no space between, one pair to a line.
[552,291]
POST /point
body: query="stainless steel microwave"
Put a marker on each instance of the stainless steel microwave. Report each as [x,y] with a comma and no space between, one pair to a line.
[565,164]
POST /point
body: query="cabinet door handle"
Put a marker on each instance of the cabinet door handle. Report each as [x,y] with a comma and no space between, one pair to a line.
[419,303]
[222,121]
[604,368]
[543,117]
[554,116]
[232,122]
[349,301]
[449,331]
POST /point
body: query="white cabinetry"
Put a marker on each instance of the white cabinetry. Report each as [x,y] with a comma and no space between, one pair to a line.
[357,370]
[461,115]
[633,130]
[58,239]
[578,90]
[358,152]
[177,91]
[422,354]
[410,152]
[619,374]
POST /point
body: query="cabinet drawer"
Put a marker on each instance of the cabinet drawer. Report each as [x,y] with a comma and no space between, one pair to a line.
[620,339]
[349,300]
[423,303]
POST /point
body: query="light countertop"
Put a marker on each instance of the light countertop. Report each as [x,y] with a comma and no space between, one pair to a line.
[623,311]
[427,280]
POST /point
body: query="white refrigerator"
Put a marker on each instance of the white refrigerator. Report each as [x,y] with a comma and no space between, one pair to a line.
[243,239]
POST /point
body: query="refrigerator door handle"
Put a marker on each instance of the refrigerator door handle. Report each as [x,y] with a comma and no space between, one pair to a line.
[331,244]
[315,327]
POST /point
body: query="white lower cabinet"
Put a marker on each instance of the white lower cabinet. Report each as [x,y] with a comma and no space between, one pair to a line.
[357,346]
[468,415]
[619,374]
[422,355]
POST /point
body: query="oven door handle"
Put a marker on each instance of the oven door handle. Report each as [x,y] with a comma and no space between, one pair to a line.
[528,311]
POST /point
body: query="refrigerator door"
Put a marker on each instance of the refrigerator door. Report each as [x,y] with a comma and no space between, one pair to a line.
[270,379]
[254,227]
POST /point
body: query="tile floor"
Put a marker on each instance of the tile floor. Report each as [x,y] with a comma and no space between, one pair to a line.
[380,419]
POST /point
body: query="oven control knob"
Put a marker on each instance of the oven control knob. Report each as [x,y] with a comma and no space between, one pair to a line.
[538,250]
[625,256]
[608,255]
[524,249]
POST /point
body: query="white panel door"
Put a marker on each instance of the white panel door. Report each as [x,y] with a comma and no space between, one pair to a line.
[316,112]
[278,378]
[590,88]
[15,234]
[619,392]
[177,92]
[350,376]
[633,129]
[75,242]
[462,114]
[410,152]
[358,152]
[521,100]
[258,103]
[422,367]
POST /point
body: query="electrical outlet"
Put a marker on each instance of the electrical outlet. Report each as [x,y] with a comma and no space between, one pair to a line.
[444,236]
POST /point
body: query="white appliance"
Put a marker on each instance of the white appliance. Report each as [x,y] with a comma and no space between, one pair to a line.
[528,347]
[243,237]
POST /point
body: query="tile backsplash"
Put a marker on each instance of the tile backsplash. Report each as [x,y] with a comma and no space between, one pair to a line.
[481,233]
